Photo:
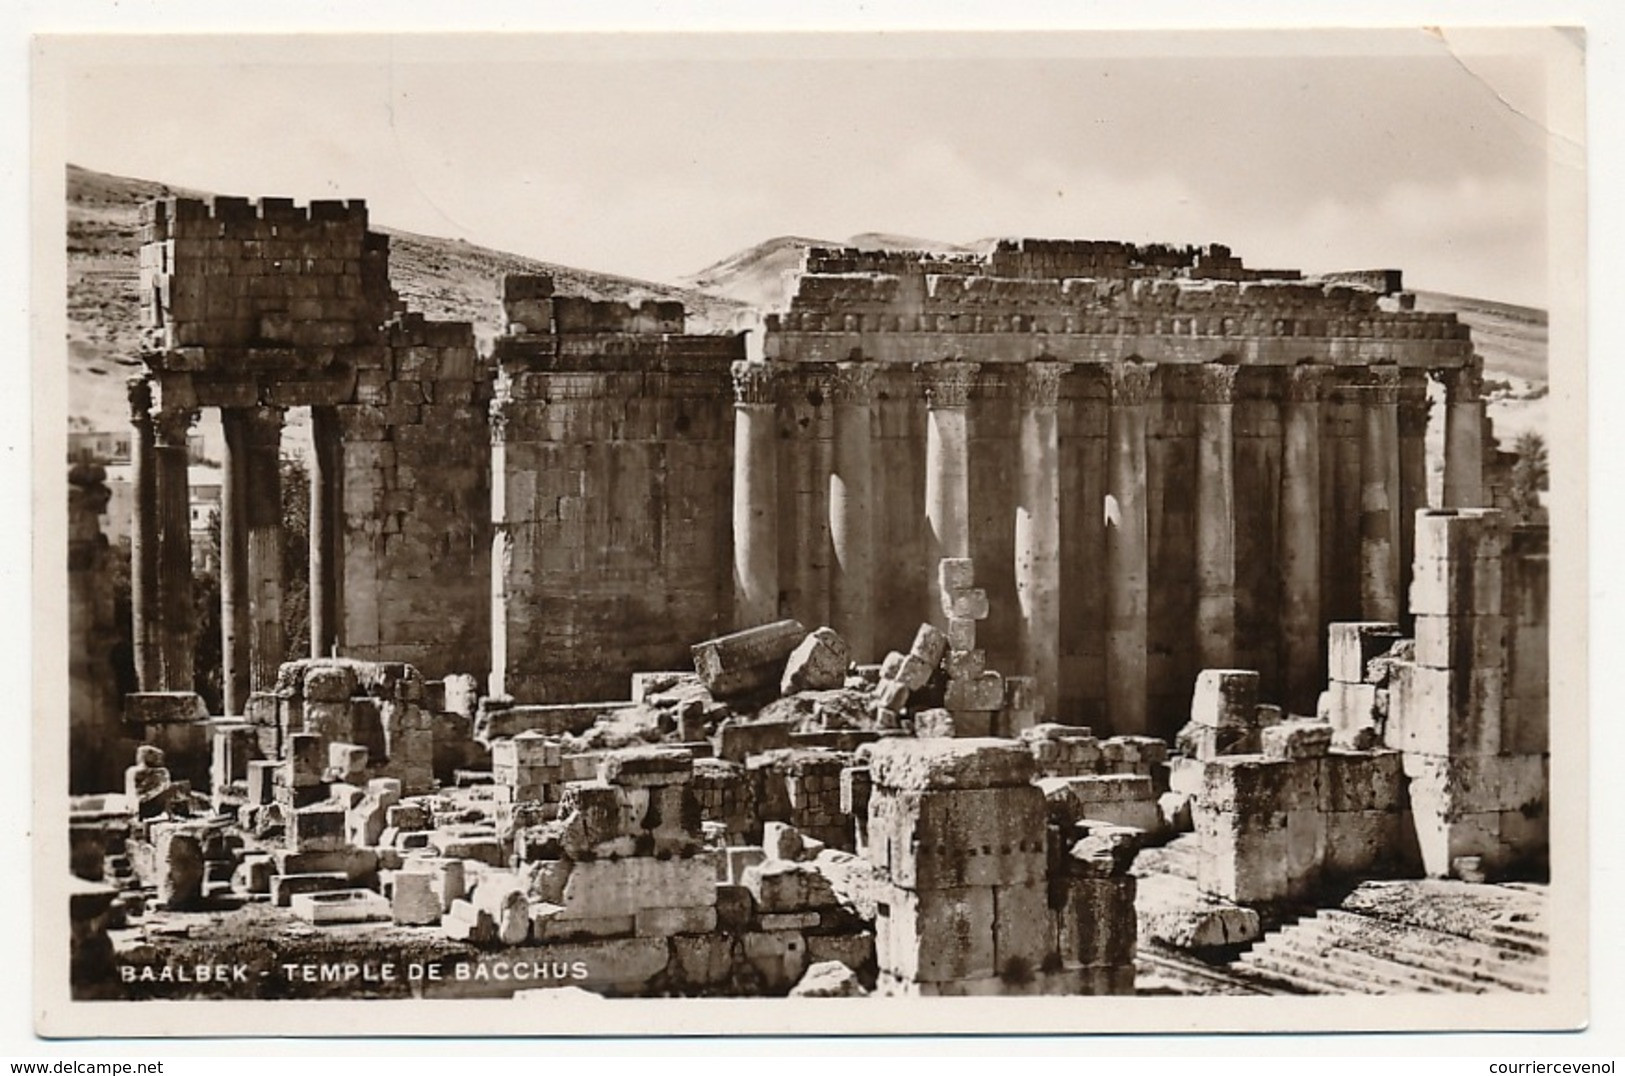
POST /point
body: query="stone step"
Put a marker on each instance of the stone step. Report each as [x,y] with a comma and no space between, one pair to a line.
[1380,974]
[1168,971]
[1435,951]
[1290,970]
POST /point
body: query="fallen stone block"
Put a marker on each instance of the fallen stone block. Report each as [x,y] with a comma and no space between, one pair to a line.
[1297,739]
[818,663]
[950,839]
[936,935]
[164,708]
[413,898]
[935,722]
[737,741]
[779,957]
[284,887]
[829,979]
[502,897]
[780,886]
[646,767]
[1096,925]
[902,764]
[620,887]
[961,633]
[780,840]
[986,692]
[319,828]
[930,645]
[956,573]
[891,695]
[466,923]
[340,906]
[971,604]
[966,664]
[746,661]
[665,922]
[1225,698]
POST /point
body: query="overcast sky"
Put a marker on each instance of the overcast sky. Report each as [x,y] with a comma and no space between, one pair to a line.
[654,158]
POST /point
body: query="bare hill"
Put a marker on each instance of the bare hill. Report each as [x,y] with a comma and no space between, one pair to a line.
[443,278]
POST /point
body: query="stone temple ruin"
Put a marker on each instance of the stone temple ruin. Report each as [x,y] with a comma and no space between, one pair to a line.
[603,690]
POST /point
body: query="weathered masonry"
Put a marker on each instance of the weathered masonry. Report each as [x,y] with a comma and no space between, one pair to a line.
[1160,461]
[611,461]
[256,307]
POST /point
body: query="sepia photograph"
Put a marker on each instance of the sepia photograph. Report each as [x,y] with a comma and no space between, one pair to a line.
[579,533]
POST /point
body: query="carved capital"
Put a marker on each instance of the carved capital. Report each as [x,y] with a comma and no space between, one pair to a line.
[753,383]
[139,390]
[947,384]
[1216,383]
[855,383]
[1306,383]
[497,412]
[1463,384]
[1131,383]
[1382,386]
[174,426]
[1041,383]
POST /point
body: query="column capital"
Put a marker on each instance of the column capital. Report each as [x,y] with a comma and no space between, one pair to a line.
[1041,383]
[1216,383]
[947,384]
[1462,384]
[753,383]
[139,391]
[497,414]
[1131,383]
[1306,382]
[855,383]
[1383,384]
[174,426]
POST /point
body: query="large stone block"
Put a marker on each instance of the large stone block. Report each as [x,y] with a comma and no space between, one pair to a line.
[1296,739]
[936,935]
[818,663]
[1363,781]
[779,886]
[1095,926]
[985,692]
[952,839]
[1461,642]
[1252,785]
[746,661]
[1024,931]
[1445,711]
[903,764]
[738,741]
[1225,698]
[646,767]
[318,828]
[618,887]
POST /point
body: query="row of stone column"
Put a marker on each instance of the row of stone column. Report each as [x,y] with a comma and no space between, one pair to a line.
[251,542]
[1387,497]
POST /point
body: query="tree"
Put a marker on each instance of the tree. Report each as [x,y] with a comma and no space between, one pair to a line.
[1530,477]
[295,557]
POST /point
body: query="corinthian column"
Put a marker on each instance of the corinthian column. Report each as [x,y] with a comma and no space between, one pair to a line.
[851,509]
[262,516]
[174,559]
[1216,518]
[1379,496]
[1038,531]
[1464,435]
[1301,636]
[144,615]
[756,496]
[1126,550]
[947,458]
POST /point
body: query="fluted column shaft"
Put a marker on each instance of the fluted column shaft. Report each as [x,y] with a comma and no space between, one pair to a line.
[1127,570]
[1464,437]
[1379,495]
[326,505]
[1302,641]
[947,462]
[1216,517]
[144,614]
[262,517]
[174,558]
[1038,532]
[756,496]
[1413,476]
[851,509]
